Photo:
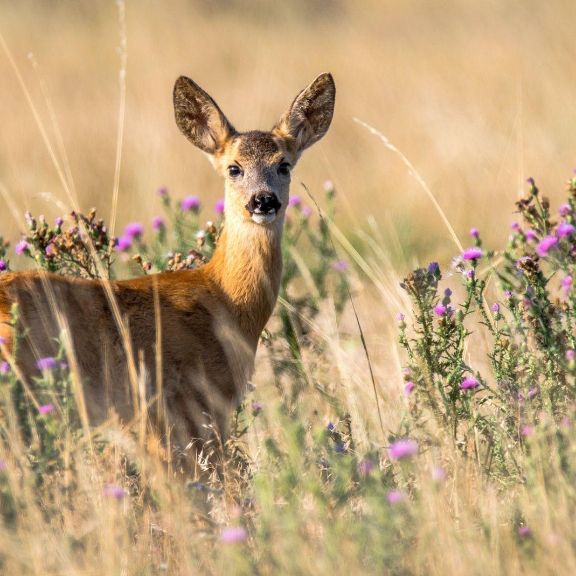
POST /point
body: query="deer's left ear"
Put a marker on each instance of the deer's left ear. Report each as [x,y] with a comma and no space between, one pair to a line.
[310,115]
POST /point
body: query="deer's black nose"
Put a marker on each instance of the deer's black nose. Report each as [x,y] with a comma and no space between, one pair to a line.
[263,203]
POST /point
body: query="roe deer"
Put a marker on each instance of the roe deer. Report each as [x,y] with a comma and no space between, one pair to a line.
[192,333]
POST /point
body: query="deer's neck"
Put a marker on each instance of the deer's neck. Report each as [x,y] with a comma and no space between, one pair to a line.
[247,266]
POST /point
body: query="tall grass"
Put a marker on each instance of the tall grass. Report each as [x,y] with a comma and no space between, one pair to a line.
[475,473]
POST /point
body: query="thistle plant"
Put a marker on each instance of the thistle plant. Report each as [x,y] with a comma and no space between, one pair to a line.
[529,327]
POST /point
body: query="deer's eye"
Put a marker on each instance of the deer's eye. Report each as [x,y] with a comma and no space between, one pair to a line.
[234,171]
[284,169]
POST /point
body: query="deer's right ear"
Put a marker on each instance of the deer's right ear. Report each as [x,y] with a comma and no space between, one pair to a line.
[199,117]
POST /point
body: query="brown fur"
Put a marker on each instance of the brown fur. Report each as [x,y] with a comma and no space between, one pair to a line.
[210,319]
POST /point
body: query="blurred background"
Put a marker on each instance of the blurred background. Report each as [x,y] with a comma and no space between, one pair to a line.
[477,95]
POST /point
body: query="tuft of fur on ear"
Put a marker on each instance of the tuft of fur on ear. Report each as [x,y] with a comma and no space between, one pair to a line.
[310,115]
[199,117]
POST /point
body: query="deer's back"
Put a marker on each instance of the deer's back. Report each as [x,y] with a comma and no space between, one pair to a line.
[180,332]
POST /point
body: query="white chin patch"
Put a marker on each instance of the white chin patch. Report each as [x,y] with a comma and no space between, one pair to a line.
[264,218]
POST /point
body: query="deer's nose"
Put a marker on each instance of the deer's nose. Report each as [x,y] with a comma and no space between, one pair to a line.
[263,203]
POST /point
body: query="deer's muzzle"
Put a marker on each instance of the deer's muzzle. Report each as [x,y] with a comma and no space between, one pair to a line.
[263,207]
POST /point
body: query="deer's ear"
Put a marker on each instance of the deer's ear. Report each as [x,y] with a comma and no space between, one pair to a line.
[309,116]
[199,117]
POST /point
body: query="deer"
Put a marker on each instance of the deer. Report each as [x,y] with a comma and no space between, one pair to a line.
[189,336]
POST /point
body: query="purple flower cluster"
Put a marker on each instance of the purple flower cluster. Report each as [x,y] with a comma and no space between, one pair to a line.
[132,232]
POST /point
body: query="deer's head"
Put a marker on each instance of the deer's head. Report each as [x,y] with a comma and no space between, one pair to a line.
[256,165]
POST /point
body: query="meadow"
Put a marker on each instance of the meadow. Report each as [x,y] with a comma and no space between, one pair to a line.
[412,410]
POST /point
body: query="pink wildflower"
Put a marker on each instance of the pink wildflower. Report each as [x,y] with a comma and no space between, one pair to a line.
[219,207]
[233,535]
[190,204]
[403,448]
[545,244]
[21,247]
[395,497]
[564,229]
[472,253]
[46,409]
[469,383]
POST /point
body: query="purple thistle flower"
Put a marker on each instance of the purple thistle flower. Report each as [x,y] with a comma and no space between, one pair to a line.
[472,253]
[531,181]
[470,274]
[306,211]
[4,368]
[495,308]
[407,373]
[447,292]
[545,244]
[570,355]
[469,383]
[524,532]
[474,232]
[409,388]
[134,230]
[508,294]
[365,467]
[50,250]
[440,310]
[124,243]
[433,268]
[330,427]
[294,201]
[400,317]
[527,430]
[533,392]
[530,235]
[3,265]
[515,226]
[114,491]
[256,407]
[162,192]
[47,363]
[564,210]
[219,207]
[21,247]
[564,229]
[233,535]
[59,221]
[158,223]
[340,266]
[566,283]
[403,448]
[45,409]
[190,204]
[438,474]
[395,497]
